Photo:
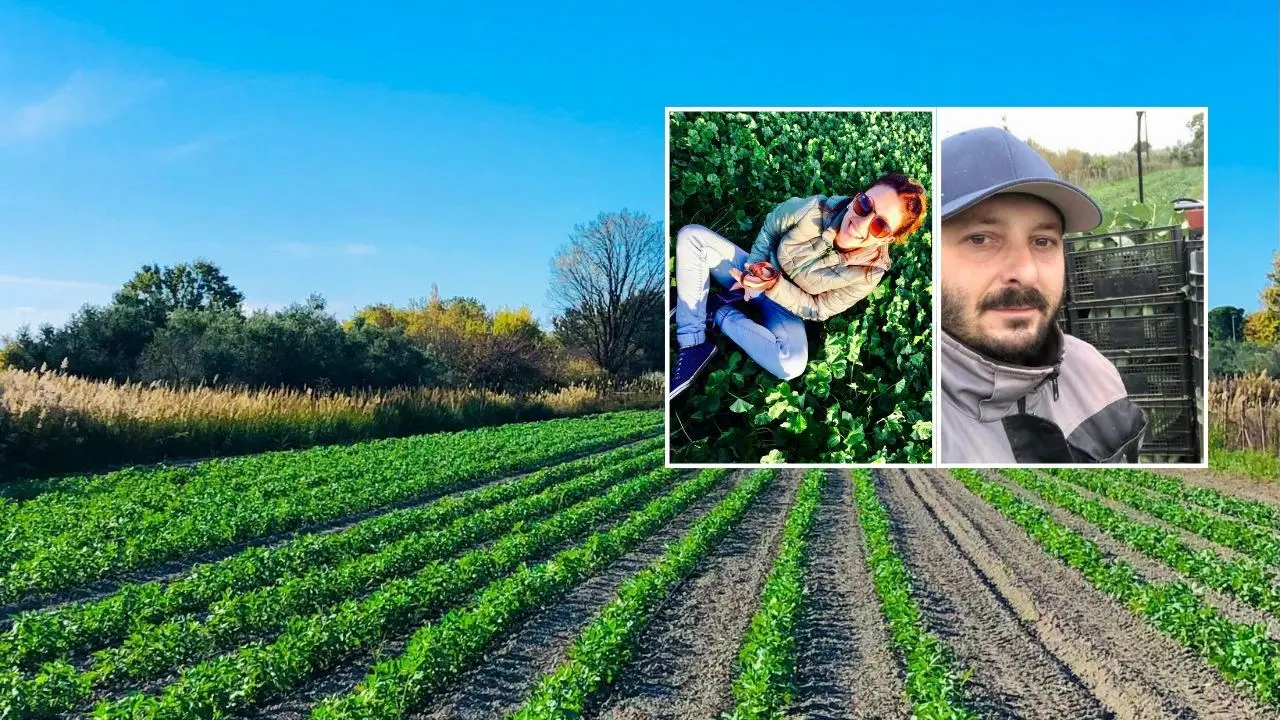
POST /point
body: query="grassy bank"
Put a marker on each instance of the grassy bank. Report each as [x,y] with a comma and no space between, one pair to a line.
[1160,188]
[52,423]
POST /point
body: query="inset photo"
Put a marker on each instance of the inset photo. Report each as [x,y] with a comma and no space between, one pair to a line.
[800,287]
[1073,286]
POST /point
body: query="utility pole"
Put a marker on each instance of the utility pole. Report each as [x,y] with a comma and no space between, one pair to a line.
[1139,147]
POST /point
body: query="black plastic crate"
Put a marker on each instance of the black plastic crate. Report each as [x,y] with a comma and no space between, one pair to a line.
[1171,427]
[1152,324]
[1130,264]
[1154,376]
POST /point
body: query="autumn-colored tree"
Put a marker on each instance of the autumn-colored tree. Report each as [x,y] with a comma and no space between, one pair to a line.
[503,350]
[1261,327]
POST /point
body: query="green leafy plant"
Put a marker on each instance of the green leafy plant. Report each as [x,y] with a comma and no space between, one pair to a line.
[765,681]
[37,636]
[136,518]
[500,572]
[607,643]
[1244,654]
[441,650]
[865,396]
[934,687]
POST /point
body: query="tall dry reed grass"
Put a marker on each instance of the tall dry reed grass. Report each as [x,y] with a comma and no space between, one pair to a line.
[1244,413]
[53,423]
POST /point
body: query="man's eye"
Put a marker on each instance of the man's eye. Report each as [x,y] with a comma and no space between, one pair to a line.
[1046,242]
[980,240]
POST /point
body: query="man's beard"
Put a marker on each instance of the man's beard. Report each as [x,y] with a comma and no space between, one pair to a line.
[1030,352]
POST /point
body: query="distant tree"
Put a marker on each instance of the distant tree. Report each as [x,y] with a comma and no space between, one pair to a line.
[1262,327]
[100,343]
[159,291]
[1196,126]
[601,283]
[1226,324]
[198,347]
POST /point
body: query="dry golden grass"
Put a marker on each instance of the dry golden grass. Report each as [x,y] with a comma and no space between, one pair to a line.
[51,422]
[1244,412]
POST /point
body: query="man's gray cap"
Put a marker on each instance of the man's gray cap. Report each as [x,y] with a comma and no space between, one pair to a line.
[979,163]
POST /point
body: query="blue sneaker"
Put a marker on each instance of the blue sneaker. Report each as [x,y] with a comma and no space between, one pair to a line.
[689,363]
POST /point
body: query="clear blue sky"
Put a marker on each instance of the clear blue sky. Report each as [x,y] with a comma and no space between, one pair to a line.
[366,153]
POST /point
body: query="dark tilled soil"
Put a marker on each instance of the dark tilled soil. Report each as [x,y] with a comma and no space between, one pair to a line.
[1134,670]
[1193,539]
[846,666]
[502,683]
[687,657]
[1150,568]
[298,704]
[1238,485]
[1014,675]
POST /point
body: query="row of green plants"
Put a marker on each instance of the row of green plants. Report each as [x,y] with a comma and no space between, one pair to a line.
[1244,654]
[1249,580]
[1258,543]
[153,651]
[765,682]
[934,686]
[1255,512]
[309,644]
[37,636]
[58,545]
[609,641]
[438,652]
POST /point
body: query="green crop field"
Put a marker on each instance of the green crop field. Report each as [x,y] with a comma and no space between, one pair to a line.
[557,569]
[1159,188]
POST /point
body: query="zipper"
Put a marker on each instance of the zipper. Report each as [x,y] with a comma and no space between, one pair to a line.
[809,264]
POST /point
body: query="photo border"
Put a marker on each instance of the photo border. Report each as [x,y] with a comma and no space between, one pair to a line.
[934,207]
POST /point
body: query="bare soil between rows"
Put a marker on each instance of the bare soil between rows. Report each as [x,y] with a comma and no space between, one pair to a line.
[846,667]
[510,670]
[1240,486]
[1129,667]
[688,654]
[298,703]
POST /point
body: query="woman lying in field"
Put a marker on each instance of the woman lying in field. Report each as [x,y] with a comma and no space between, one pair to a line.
[814,258]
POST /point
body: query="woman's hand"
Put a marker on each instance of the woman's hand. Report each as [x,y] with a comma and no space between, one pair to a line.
[758,278]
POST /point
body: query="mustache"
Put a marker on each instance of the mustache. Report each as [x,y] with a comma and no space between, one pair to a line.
[1014,297]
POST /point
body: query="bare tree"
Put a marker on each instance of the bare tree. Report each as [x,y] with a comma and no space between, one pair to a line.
[604,282]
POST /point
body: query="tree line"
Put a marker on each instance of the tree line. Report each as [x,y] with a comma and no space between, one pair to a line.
[1085,168]
[1242,343]
[185,325]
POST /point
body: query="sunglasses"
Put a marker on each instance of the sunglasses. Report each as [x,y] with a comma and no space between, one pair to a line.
[863,206]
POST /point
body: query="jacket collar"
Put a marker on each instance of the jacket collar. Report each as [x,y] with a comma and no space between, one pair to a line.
[988,390]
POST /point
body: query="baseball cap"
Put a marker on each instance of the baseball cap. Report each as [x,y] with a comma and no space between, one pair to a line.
[982,162]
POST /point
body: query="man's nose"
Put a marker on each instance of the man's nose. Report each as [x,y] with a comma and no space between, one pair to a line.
[1019,264]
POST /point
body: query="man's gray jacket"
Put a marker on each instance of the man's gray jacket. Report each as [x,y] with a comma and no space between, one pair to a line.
[1074,410]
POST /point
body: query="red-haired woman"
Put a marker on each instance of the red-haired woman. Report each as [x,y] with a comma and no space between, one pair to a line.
[814,258]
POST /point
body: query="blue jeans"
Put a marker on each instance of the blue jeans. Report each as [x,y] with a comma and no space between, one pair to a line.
[779,344]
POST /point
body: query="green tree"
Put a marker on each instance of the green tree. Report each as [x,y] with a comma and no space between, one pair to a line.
[159,291]
[1196,126]
[1226,324]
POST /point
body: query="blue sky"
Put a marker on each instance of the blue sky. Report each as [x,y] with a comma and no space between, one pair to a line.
[367,153]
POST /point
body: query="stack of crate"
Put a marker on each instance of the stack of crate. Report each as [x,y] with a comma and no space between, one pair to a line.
[1127,296]
[1196,305]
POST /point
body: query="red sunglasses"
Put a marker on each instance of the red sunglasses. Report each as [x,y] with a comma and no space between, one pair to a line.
[863,206]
